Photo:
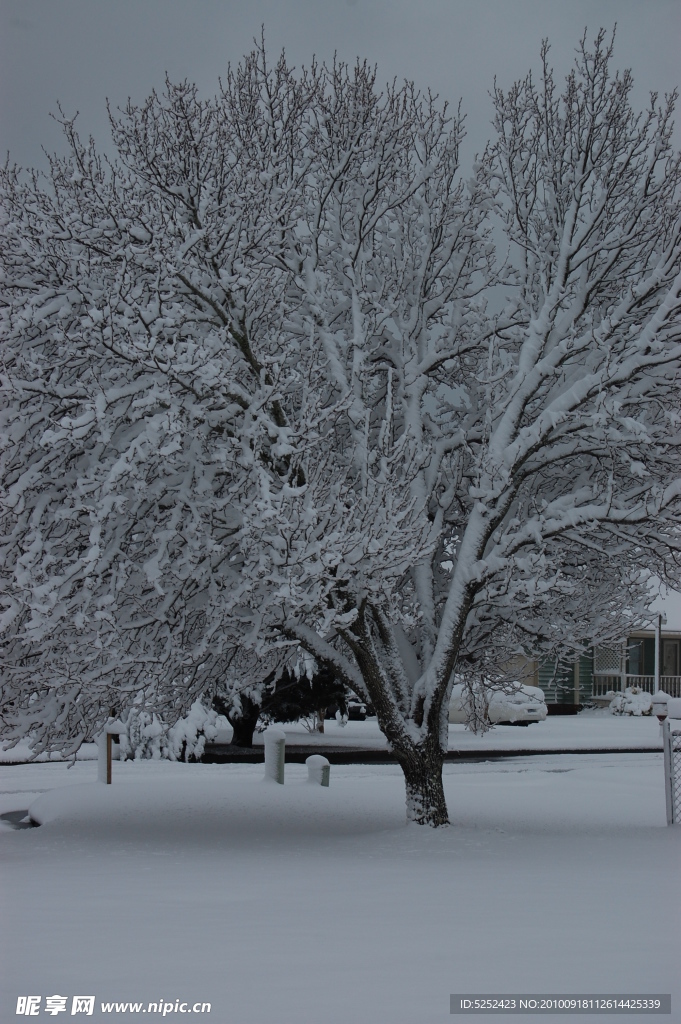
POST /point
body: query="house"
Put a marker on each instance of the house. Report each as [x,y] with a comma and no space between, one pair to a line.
[606,669]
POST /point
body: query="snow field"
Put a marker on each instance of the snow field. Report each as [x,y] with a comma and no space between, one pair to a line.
[303,904]
[590,730]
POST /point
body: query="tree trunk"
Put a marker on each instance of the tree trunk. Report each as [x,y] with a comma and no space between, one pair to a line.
[243,730]
[426,803]
[243,724]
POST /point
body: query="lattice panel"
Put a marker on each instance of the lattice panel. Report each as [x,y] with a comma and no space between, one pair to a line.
[608,660]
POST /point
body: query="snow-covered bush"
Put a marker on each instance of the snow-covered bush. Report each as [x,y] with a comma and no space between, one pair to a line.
[187,738]
[146,736]
[143,737]
[633,701]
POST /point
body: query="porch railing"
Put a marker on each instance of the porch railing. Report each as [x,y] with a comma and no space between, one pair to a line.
[604,683]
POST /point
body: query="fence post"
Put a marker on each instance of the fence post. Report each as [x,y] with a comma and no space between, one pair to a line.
[666,747]
[275,754]
[105,750]
[671,743]
[318,770]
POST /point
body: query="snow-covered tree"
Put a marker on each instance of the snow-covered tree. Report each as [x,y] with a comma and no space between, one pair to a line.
[285,696]
[278,376]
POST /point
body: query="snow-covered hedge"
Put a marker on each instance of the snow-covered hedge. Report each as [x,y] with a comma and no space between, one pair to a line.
[147,737]
[633,701]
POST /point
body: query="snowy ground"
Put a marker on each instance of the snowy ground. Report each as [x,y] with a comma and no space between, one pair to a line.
[311,906]
[590,730]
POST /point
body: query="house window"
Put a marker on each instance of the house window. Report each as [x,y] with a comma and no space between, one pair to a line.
[635,658]
[670,657]
[641,656]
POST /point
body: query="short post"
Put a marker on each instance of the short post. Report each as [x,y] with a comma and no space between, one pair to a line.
[105,750]
[659,705]
[275,754]
[103,762]
[318,770]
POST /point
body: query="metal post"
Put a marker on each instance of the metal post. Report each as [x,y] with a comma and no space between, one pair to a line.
[668,770]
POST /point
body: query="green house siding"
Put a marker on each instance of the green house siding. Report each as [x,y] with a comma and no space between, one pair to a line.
[568,682]
[586,677]
[557,682]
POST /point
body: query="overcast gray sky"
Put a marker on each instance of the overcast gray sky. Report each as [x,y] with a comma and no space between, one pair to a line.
[82,51]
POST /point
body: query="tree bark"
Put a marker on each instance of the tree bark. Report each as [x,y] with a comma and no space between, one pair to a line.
[243,724]
[426,804]
[422,762]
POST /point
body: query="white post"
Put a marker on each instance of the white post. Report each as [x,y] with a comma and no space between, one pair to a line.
[318,770]
[103,761]
[658,644]
[275,753]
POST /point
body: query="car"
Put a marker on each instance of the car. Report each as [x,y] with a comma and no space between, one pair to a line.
[357,711]
[517,704]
